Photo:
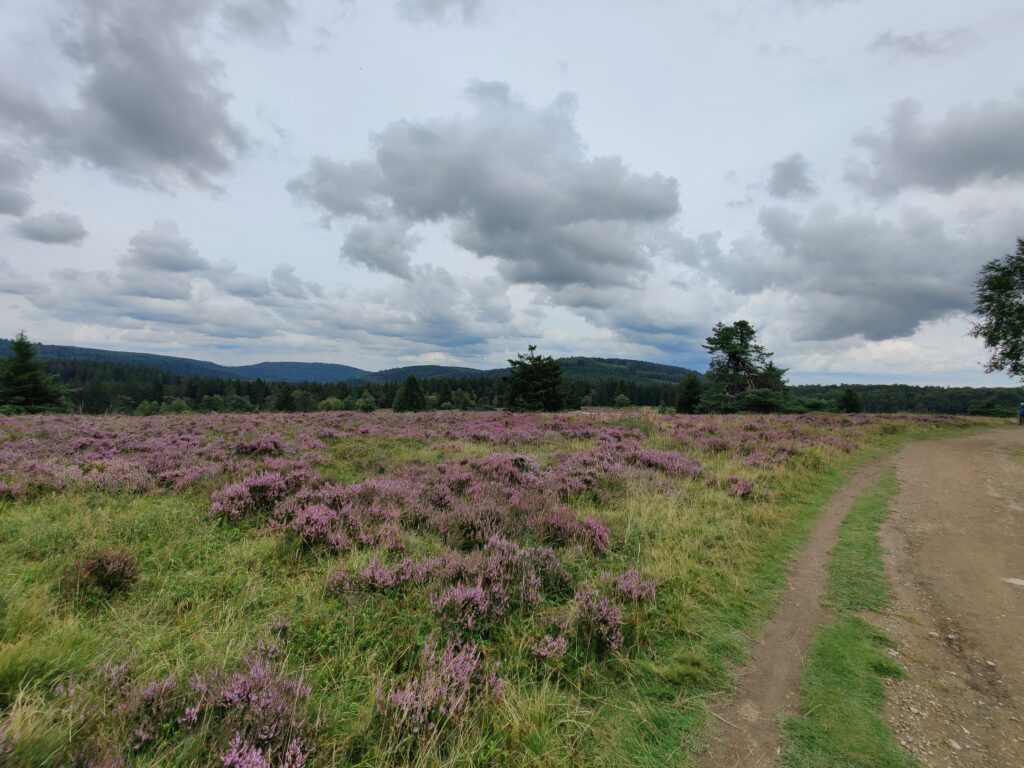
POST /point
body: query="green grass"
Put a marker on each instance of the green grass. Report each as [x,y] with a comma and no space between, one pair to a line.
[208,592]
[842,685]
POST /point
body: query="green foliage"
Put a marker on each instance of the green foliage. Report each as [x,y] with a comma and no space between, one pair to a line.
[739,366]
[990,406]
[999,301]
[535,383]
[849,401]
[331,404]
[409,396]
[621,401]
[23,384]
[690,392]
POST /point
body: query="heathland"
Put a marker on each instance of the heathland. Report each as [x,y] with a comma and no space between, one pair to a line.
[384,589]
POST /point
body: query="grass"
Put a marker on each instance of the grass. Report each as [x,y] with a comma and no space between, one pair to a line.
[842,685]
[208,592]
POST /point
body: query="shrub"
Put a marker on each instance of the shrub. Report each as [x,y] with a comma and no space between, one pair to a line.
[439,694]
[107,571]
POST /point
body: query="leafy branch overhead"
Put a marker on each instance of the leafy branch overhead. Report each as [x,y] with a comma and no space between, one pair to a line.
[999,301]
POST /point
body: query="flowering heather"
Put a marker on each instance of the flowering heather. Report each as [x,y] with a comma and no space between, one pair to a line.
[740,487]
[596,620]
[258,706]
[630,585]
[437,695]
[549,647]
[468,528]
[106,571]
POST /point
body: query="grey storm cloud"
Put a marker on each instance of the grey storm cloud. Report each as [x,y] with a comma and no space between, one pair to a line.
[790,178]
[515,182]
[148,108]
[923,44]
[853,274]
[967,145]
[438,10]
[383,246]
[53,227]
[14,176]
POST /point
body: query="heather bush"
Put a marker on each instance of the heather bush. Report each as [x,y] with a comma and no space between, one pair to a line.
[104,571]
[595,620]
[256,712]
[630,585]
[437,696]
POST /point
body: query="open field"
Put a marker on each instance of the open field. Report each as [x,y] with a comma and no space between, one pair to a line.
[368,589]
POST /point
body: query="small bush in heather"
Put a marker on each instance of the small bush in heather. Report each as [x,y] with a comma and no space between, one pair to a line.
[549,648]
[264,445]
[106,571]
[596,621]
[255,493]
[438,695]
[630,585]
[740,488]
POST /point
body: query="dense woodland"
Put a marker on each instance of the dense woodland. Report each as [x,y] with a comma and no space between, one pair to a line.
[100,387]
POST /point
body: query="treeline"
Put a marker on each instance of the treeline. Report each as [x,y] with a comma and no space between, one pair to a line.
[103,387]
[890,398]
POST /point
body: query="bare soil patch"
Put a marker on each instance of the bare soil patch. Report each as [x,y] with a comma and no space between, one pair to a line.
[954,546]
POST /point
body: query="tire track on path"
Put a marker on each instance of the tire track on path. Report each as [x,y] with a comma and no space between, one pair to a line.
[747,723]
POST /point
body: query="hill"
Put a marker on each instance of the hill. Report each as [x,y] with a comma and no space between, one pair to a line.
[575,368]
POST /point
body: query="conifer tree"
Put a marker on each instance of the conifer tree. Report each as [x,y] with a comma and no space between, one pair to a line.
[409,396]
[535,383]
[23,384]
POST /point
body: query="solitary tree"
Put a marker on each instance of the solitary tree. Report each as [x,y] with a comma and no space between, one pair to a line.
[409,396]
[690,391]
[535,383]
[741,373]
[23,384]
[999,302]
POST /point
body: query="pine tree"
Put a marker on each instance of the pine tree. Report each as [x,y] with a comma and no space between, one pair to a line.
[409,396]
[23,384]
[535,383]
[690,391]
[741,374]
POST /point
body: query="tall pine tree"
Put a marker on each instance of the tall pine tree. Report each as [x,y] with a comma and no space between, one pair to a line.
[23,384]
[535,383]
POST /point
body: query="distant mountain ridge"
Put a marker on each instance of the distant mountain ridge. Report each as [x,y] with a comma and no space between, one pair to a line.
[589,368]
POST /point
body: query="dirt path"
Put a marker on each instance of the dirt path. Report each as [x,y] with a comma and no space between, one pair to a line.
[955,557]
[769,684]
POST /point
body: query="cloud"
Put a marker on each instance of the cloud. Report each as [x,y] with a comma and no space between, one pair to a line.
[163,249]
[419,11]
[922,44]
[162,287]
[14,175]
[846,274]
[969,144]
[260,19]
[383,246]
[148,108]
[514,182]
[53,227]
[791,178]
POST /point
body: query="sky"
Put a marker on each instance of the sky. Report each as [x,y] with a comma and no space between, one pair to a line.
[403,182]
